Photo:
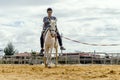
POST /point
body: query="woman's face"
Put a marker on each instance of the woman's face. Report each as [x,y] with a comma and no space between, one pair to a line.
[49,13]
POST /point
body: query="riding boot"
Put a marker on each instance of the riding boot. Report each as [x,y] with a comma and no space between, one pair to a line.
[60,41]
[42,45]
[41,52]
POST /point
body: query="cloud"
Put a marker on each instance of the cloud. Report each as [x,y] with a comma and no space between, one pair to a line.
[26,2]
[83,20]
[15,24]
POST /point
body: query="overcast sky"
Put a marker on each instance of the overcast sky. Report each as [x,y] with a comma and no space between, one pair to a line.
[90,21]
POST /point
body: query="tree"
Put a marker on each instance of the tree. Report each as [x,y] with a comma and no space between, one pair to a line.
[9,49]
[33,52]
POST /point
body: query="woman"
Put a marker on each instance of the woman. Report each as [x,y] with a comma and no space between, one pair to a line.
[46,24]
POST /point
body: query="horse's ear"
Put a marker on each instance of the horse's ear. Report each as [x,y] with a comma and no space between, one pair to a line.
[55,20]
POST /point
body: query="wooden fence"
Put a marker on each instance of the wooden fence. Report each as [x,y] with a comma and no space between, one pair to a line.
[66,59]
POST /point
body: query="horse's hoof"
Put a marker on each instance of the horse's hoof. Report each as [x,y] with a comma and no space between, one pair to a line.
[46,65]
[55,65]
[49,66]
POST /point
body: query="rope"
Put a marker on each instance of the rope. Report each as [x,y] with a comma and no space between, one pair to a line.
[89,43]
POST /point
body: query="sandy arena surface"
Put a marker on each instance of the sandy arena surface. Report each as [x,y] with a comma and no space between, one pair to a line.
[62,72]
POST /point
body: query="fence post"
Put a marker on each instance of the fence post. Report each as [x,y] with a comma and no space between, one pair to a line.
[105,60]
[117,58]
[92,58]
[66,58]
[79,58]
[112,59]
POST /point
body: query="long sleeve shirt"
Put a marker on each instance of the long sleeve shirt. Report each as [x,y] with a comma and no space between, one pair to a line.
[46,22]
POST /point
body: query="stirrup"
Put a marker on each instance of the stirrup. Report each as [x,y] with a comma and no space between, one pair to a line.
[41,52]
[62,48]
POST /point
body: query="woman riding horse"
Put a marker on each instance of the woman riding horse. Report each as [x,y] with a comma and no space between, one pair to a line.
[46,21]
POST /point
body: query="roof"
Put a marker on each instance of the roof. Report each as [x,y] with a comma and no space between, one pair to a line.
[73,54]
[23,54]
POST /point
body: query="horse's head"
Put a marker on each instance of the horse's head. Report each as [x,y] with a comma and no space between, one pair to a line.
[53,28]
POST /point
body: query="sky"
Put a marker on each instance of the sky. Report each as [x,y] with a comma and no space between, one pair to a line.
[89,21]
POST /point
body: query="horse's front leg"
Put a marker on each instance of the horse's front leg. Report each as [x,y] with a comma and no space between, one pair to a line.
[49,57]
[45,61]
[45,58]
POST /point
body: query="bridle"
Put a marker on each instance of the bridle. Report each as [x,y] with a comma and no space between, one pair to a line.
[48,29]
[51,30]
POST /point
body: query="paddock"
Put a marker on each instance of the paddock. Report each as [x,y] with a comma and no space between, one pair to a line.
[62,72]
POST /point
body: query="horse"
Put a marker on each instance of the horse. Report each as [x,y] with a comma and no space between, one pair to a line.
[50,42]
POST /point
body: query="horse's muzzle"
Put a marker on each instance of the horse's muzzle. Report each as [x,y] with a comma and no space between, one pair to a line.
[53,35]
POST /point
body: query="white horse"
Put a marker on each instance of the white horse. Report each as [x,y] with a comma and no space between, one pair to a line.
[50,42]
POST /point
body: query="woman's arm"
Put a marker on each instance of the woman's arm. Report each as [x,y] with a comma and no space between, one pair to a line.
[46,20]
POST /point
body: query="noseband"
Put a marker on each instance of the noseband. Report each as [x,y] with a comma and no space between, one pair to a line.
[51,33]
[48,29]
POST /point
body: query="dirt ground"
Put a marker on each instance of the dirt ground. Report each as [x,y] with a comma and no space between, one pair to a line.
[62,72]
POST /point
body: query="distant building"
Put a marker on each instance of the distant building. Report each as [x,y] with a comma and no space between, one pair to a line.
[25,54]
